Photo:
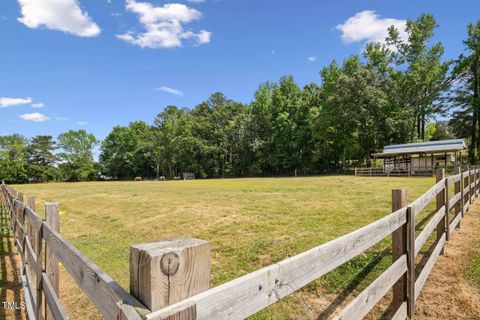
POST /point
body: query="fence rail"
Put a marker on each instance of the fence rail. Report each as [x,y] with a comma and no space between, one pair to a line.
[41,247]
[402,171]
[171,278]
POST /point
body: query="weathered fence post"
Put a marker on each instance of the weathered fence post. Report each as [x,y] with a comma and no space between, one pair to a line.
[31,206]
[470,178]
[447,209]
[466,185]
[476,180]
[37,235]
[399,248]
[410,262]
[52,220]
[458,189]
[165,272]
[18,217]
[440,203]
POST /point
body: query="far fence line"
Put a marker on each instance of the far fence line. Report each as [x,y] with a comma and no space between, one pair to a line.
[171,278]
[403,170]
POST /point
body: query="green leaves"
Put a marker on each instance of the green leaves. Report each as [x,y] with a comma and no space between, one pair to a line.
[77,155]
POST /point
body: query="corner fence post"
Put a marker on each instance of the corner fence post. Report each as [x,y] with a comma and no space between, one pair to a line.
[399,248]
[52,220]
[165,272]
[440,203]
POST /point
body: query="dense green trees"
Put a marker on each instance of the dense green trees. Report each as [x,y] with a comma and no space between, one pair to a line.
[76,156]
[466,92]
[392,93]
[13,158]
[42,159]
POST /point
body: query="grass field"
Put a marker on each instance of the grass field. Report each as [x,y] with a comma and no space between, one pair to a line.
[250,223]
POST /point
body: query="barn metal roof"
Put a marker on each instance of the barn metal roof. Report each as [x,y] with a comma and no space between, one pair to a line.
[424,147]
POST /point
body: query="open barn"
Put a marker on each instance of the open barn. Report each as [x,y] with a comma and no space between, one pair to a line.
[417,159]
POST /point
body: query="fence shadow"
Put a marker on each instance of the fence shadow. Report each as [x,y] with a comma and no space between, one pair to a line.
[10,286]
[352,285]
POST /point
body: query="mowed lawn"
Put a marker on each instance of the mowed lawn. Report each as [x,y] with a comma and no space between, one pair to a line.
[250,223]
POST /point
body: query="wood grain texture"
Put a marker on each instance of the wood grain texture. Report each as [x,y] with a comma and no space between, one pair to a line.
[55,307]
[421,202]
[454,200]
[98,286]
[440,202]
[427,231]
[399,247]
[422,277]
[455,223]
[166,272]
[454,178]
[369,297]
[255,291]
[52,220]
[401,313]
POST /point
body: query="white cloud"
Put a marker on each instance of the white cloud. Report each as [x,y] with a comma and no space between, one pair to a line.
[82,123]
[10,102]
[164,25]
[62,15]
[312,58]
[368,26]
[61,118]
[171,91]
[35,117]
[38,105]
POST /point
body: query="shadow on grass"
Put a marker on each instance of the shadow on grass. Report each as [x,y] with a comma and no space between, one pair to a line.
[353,285]
[9,269]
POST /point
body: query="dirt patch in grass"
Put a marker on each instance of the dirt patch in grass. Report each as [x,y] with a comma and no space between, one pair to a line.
[448,294]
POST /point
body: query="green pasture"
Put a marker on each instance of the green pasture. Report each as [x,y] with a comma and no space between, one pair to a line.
[250,223]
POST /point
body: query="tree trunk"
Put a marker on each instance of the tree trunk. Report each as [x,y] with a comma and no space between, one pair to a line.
[157,170]
[423,126]
[473,144]
[476,100]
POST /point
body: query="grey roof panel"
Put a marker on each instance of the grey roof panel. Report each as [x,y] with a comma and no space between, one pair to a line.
[425,147]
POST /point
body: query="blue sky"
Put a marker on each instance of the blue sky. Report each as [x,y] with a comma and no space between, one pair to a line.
[94,64]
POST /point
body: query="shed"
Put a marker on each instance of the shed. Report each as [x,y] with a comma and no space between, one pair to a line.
[421,157]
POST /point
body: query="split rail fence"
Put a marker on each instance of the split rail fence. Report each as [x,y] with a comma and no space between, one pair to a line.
[170,279]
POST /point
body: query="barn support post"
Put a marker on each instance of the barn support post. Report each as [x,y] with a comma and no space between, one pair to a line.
[399,248]
[165,272]
[440,203]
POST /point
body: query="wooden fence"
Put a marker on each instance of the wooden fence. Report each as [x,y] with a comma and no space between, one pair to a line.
[41,248]
[405,171]
[171,278]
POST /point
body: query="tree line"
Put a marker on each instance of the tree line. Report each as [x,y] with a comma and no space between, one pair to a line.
[391,93]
